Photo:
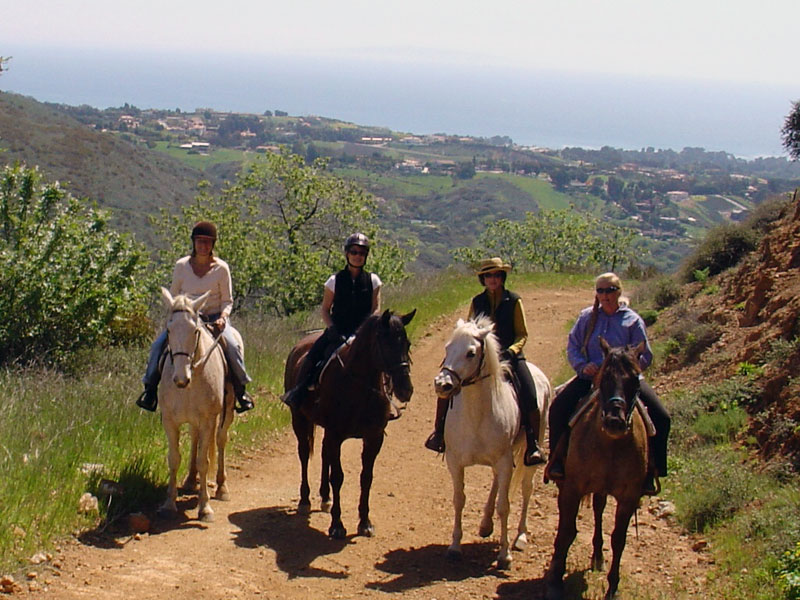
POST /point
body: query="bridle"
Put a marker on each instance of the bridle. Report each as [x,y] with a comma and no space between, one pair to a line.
[472,379]
[616,400]
[194,364]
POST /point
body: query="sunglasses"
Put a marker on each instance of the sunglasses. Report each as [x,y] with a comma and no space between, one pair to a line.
[608,290]
[492,274]
[357,252]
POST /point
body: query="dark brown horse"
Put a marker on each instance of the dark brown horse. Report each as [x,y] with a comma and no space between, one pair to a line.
[607,455]
[351,401]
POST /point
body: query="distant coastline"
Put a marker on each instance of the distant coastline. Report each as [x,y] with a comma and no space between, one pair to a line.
[547,109]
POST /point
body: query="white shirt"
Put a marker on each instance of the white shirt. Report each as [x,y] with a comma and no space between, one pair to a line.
[217,281]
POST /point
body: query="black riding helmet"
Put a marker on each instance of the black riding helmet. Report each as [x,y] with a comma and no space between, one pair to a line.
[357,239]
[205,229]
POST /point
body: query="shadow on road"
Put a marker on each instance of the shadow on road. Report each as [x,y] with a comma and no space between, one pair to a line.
[288,534]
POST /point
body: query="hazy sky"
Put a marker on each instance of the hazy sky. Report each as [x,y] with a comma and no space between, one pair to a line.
[730,40]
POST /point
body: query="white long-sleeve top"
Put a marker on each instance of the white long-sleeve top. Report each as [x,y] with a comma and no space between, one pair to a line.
[217,281]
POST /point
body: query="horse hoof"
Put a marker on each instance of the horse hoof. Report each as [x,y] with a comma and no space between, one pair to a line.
[454,555]
[207,517]
[610,595]
[503,564]
[521,542]
[367,530]
[337,533]
[304,508]
[486,530]
[222,495]
[325,506]
[598,564]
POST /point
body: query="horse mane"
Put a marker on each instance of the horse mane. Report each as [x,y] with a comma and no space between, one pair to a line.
[477,327]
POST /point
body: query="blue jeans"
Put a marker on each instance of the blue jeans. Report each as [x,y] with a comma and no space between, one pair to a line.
[233,355]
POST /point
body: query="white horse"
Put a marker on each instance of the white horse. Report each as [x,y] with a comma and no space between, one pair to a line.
[483,428]
[194,391]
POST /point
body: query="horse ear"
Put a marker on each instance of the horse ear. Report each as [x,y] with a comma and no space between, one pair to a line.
[198,304]
[167,297]
[459,323]
[387,314]
[604,345]
[406,319]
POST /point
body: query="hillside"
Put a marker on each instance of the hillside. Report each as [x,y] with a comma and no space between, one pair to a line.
[747,319]
[130,180]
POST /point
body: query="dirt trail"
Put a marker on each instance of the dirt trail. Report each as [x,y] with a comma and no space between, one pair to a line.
[260,547]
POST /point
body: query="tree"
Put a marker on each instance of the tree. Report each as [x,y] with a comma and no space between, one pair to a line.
[281,226]
[67,281]
[790,132]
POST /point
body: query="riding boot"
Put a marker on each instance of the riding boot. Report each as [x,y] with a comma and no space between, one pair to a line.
[244,401]
[533,454]
[149,399]
[555,468]
[435,441]
[650,488]
[294,397]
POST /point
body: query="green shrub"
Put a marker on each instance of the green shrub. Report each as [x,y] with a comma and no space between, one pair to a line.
[712,485]
[649,316]
[67,282]
[789,573]
[667,292]
[720,426]
[722,248]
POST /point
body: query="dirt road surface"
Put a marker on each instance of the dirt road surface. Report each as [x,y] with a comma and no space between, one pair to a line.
[259,547]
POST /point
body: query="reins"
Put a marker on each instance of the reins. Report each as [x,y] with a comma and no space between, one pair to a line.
[472,379]
[197,333]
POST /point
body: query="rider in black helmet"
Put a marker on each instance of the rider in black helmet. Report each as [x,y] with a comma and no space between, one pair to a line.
[194,275]
[349,297]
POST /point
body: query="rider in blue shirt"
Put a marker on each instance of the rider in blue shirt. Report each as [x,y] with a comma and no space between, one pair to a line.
[611,318]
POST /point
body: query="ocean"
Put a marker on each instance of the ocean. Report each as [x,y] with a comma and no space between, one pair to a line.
[541,108]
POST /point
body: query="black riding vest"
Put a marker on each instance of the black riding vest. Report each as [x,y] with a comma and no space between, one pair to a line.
[352,301]
[503,316]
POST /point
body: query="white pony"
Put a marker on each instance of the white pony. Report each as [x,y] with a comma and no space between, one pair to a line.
[194,391]
[483,428]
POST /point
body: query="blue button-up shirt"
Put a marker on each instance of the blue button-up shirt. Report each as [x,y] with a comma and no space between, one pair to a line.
[623,328]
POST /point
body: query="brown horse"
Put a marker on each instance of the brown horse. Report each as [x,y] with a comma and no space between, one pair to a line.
[607,455]
[351,401]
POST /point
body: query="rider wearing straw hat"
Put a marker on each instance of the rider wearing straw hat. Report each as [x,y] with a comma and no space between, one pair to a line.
[504,308]
[194,275]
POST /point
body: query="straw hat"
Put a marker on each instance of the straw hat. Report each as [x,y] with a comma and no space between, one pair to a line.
[490,265]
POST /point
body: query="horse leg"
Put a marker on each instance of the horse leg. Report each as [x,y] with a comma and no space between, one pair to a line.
[504,469]
[332,452]
[618,537]
[190,482]
[371,448]
[459,499]
[325,486]
[173,461]
[225,420]
[521,541]
[598,506]
[301,431]
[568,502]
[204,511]
[487,521]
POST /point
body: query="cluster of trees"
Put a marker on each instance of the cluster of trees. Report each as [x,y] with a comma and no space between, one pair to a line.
[69,282]
[554,240]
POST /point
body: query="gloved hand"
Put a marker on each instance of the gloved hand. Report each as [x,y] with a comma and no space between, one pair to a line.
[335,336]
[507,355]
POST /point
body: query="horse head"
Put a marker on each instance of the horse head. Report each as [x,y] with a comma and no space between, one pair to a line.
[617,384]
[183,333]
[470,355]
[392,351]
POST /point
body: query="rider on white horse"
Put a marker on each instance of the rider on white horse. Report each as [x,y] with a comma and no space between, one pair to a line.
[349,297]
[193,276]
[504,308]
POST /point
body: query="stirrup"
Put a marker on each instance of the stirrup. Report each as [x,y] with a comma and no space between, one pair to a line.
[148,400]
[531,459]
[554,471]
[244,403]
[435,442]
